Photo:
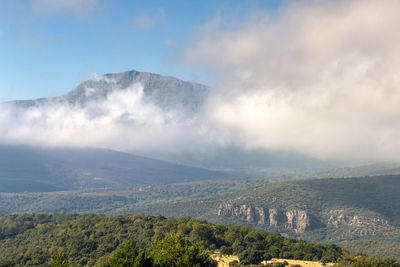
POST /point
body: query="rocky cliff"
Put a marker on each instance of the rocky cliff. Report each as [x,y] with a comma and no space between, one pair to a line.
[297,220]
[361,225]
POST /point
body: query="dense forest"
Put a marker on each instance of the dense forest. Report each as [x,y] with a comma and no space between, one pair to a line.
[79,240]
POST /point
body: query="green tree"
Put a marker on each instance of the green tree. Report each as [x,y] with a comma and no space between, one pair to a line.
[59,260]
[251,256]
[129,256]
[174,251]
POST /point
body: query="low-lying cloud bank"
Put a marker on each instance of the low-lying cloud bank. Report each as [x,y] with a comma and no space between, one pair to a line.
[320,77]
[124,120]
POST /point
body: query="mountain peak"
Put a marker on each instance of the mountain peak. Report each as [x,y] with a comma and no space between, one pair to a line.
[164,91]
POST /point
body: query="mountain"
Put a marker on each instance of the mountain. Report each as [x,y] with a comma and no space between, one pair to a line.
[40,170]
[189,101]
[166,92]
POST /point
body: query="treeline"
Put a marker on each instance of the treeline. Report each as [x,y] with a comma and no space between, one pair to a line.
[33,239]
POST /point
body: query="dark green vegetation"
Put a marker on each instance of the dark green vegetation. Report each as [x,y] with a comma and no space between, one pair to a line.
[33,239]
[379,248]
[373,202]
[364,210]
[349,212]
[60,260]
[173,250]
[359,210]
[42,170]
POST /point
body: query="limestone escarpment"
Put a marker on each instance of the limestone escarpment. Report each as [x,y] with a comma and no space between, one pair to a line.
[297,220]
[362,225]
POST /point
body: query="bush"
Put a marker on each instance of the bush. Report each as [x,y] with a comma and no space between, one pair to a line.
[174,250]
[251,256]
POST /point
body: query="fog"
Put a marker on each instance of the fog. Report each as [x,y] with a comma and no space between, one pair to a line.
[319,77]
[123,120]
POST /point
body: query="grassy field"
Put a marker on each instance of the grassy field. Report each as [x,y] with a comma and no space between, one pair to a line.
[299,262]
[224,260]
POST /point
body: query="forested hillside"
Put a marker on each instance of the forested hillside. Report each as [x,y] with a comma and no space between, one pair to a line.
[33,239]
[325,210]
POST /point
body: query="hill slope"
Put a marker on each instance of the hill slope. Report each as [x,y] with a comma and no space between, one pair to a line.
[328,210]
[31,239]
[40,170]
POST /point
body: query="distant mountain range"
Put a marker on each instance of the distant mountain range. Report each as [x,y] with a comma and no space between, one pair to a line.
[166,92]
[42,170]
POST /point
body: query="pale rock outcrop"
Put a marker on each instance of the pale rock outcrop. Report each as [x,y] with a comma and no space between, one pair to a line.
[296,220]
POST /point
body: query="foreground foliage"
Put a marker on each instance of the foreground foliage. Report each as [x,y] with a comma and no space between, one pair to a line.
[174,250]
[137,240]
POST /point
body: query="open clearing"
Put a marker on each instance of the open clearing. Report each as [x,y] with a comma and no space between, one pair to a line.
[224,260]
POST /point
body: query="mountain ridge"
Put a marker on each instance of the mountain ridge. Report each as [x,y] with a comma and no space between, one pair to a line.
[25,169]
[153,85]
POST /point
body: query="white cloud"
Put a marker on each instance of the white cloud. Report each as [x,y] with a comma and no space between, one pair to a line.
[123,120]
[75,7]
[320,78]
[145,21]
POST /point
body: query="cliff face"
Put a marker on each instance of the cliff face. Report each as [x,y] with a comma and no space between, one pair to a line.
[362,225]
[296,220]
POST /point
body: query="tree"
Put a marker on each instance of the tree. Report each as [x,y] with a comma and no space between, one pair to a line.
[60,260]
[129,256]
[174,251]
[251,256]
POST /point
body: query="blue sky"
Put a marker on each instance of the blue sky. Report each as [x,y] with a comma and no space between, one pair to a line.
[47,47]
